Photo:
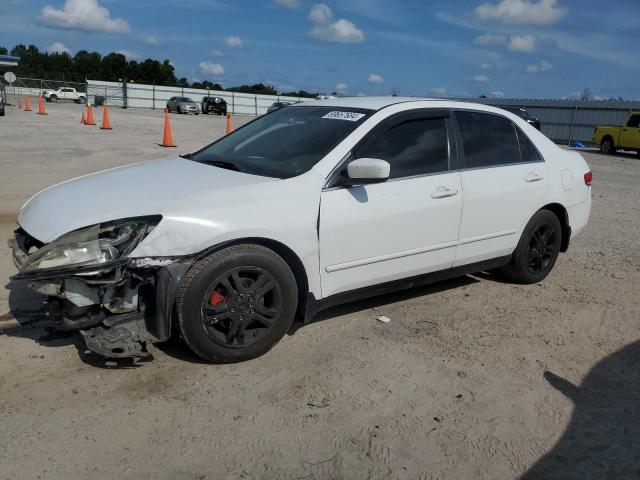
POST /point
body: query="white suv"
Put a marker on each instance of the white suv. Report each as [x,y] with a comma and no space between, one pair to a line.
[305,207]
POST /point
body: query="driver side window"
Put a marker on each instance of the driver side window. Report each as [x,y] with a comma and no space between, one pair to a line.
[414,147]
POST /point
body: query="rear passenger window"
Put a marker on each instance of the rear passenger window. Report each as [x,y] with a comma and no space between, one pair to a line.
[414,147]
[528,151]
[634,121]
[488,140]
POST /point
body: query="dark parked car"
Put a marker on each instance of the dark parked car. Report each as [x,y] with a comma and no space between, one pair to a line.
[214,105]
[526,116]
[277,106]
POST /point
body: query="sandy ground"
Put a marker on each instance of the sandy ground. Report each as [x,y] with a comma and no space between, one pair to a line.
[472,378]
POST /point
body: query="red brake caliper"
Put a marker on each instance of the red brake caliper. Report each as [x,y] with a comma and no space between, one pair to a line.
[217,298]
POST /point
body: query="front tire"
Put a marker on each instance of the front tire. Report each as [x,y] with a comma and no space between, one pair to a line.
[537,251]
[235,304]
[607,147]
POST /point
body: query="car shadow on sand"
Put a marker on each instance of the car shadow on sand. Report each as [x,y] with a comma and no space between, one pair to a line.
[384,299]
[29,317]
[602,440]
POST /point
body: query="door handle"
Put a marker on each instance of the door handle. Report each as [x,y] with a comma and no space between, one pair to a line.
[624,129]
[533,177]
[444,192]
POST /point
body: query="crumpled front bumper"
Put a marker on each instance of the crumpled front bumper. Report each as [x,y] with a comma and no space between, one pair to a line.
[118,308]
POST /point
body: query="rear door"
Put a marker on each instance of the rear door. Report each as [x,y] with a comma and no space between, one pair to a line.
[406,226]
[630,133]
[504,178]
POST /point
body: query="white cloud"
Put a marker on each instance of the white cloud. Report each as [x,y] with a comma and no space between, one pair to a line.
[488,39]
[542,12]
[486,66]
[375,78]
[540,67]
[149,39]
[233,41]
[288,3]
[87,15]
[340,31]
[497,94]
[522,43]
[440,91]
[341,87]
[320,13]
[209,68]
[216,53]
[57,47]
[129,55]
[481,79]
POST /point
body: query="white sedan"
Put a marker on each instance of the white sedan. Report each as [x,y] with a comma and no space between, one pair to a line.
[311,205]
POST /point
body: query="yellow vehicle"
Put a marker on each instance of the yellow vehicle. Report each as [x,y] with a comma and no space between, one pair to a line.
[611,139]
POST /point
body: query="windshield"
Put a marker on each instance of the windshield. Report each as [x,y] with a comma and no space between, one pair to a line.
[184,99]
[285,143]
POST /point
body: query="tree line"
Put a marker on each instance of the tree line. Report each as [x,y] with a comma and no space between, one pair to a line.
[114,67]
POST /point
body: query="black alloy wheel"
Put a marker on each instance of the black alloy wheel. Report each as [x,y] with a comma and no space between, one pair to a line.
[236,303]
[241,306]
[541,250]
[537,250]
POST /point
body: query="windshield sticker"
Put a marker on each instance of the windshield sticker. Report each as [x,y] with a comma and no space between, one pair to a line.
[349,116]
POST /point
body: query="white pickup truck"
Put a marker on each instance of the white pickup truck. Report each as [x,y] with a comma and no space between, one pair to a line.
[64,93]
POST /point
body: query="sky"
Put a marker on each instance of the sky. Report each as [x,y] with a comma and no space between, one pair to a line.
[499,48]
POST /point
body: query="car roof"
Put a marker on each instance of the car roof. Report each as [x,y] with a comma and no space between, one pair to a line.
[377,103]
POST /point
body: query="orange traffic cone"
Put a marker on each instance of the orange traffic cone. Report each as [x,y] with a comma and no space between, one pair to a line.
[83,120]
[106,124]
[167,138]
[41,106]
[27,103]
[90,120]
[229,126]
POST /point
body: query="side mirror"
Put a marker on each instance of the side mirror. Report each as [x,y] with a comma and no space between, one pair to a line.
[363,171]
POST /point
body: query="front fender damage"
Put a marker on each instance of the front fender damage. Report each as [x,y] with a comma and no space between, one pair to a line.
[117,309]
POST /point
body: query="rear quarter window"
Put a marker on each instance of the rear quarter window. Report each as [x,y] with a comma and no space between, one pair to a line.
[527,149]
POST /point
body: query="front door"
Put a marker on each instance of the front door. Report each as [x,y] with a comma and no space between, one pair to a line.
[403,227]
[630,133]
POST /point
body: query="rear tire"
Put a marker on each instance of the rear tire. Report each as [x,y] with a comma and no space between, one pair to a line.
[235,304]
[607,147]
[537,251]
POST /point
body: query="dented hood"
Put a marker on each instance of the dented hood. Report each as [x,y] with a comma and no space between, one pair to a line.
[148,188]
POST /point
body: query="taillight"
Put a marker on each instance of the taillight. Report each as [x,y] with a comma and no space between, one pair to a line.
[587,178]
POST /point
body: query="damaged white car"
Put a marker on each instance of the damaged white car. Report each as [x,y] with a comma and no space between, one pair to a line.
[303,208]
